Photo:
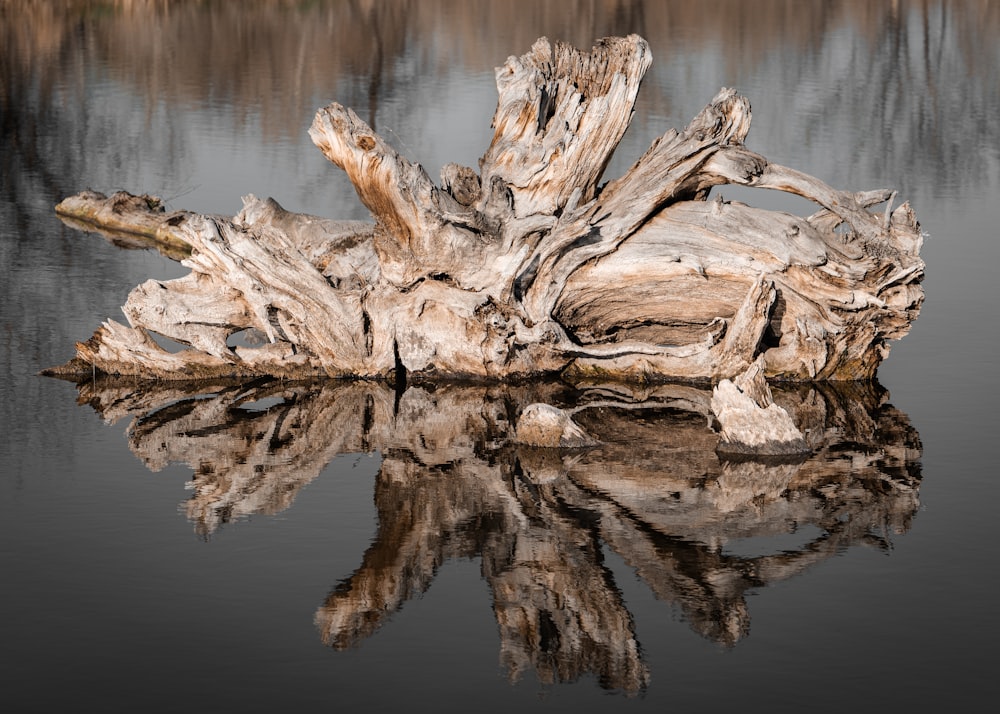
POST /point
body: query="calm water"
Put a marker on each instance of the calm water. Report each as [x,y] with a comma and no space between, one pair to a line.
[304,547]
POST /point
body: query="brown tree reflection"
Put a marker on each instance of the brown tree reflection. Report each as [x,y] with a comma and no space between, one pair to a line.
[908,66]
[453,485]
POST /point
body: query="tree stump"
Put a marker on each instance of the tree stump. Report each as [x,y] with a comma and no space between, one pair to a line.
[531,265]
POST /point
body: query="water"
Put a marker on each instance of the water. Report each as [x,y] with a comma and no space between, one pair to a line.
[865,582]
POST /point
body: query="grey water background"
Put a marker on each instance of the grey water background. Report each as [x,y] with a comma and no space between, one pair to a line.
[109,598]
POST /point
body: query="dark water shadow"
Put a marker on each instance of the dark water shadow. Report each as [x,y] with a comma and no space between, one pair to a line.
[452,484]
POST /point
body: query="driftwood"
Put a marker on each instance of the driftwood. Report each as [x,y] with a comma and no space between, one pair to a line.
[531,265]
[453,483]
[749,420]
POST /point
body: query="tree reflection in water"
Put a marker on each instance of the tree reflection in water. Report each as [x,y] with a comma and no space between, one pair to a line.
[453,485]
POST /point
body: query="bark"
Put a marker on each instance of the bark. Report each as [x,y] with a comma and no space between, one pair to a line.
[532,265]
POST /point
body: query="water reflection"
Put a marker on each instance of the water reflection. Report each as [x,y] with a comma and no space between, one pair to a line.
[94,89]
[453,485]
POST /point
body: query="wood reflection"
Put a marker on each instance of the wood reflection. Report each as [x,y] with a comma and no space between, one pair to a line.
[453,485]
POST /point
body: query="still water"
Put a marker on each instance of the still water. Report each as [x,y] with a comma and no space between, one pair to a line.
[307,546]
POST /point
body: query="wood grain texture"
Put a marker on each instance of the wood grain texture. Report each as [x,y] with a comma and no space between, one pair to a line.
[531,265]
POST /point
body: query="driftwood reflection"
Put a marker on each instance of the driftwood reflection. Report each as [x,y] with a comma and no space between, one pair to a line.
[452,484]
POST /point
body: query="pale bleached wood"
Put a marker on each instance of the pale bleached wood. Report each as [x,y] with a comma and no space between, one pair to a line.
[531,266]
[749,420]
[559,118]
[544,425]
[628,202]
[194,310]
[122,212]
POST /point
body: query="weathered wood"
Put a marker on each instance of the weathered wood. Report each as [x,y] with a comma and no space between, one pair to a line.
[547,426]
[559,119]
[750,421]
[531,265]
[143,215]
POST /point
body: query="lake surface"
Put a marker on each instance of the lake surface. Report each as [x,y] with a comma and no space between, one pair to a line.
[302,547]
